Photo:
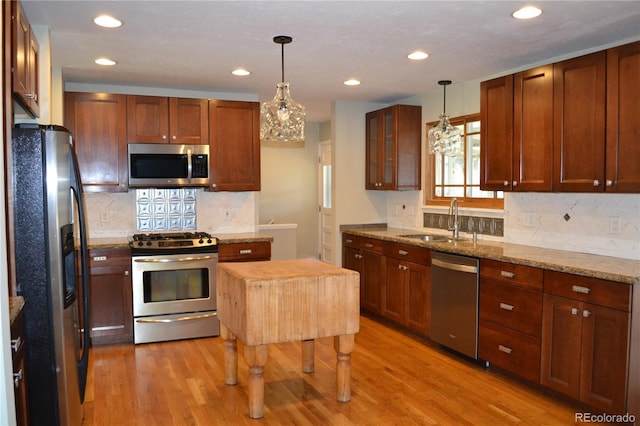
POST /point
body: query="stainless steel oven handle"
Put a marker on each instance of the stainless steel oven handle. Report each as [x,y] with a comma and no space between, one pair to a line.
[166,320]
[181,259]
[454,266]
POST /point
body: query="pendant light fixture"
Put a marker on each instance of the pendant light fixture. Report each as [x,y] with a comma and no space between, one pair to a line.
[282,119]
[444,138]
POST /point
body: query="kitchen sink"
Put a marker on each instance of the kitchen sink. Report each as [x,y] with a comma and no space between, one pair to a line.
[429,237]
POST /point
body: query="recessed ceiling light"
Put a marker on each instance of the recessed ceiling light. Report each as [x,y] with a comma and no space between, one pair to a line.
[107,21]
[240,71]
[105,61]
[527,12]
[352,82]
[418,55]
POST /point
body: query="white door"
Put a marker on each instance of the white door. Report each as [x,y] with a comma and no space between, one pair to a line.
[325,211]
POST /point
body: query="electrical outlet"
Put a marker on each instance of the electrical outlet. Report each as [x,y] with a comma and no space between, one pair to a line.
[615,225]
[104,216]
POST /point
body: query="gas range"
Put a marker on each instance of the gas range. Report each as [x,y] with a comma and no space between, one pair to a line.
[173,243]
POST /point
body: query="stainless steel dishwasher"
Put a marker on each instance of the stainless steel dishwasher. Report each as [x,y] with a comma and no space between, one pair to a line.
[454,302]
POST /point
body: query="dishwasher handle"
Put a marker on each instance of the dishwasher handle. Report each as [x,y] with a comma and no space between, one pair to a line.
[454,266]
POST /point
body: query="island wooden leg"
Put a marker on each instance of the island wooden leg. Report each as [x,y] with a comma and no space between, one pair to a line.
[230,355]
[256,358]
[343,346]
[308,353]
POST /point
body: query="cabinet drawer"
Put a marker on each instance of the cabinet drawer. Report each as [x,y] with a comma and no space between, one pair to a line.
[592,290]
[407,252]
[109,257]
[510,350]
[239,252]
[514,307]
[352,241]
[518,275]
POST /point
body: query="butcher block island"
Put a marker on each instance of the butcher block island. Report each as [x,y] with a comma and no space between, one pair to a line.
[284,301]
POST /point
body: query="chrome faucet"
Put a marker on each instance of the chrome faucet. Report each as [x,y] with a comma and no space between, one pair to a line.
[453,210]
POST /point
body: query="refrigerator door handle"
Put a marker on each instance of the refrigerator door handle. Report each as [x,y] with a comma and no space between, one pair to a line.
[76,187]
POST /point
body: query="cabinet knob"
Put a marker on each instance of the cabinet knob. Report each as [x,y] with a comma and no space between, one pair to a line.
[586,313]
[609,182]
[515,183]
[213,185]
[164,137]
[174,137]
[574,311]
[596,182]
[505,183]
[126,273]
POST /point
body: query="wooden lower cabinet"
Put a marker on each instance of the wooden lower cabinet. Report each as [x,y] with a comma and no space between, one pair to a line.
[511,317]
[585,346]
[364,256]
[406,295]
[19,370]
[111,310]
[244,252]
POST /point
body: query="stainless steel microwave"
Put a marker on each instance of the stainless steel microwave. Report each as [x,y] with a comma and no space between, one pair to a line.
[168,165]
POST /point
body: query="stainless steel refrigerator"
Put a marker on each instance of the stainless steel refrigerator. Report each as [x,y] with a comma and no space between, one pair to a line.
[49,222]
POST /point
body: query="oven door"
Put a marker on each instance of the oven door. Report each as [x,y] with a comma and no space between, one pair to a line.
[173,284]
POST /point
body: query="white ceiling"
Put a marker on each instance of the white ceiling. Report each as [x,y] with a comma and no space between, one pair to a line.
[195,44]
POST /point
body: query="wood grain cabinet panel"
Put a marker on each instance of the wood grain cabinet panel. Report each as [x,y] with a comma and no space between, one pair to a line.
[234,145]
[157,119]
[244,252]
[24,61]
[111,298]
[393,148]
[364,256]
[97,122]
[585,339]
[623,125]
[579,86]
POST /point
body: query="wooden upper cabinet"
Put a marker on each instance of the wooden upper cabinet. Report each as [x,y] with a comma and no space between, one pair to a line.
[25,51]
[393,148]
[496,141]
[533,129]
[579,123]
[98,124]
[155,119]
[623,123]
[234,145]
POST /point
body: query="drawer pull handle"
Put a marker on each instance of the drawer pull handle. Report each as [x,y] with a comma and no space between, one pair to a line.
[17,377]
[504,349]
[349,241]
[403,252]
[368,245]
[507,274]
[99,258]
[580,289]
[245,251]
[506,306]
[15,344]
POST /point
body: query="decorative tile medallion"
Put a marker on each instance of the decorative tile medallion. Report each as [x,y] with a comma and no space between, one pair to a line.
[171,209]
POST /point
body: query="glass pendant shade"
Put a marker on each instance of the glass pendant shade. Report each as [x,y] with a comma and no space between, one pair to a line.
[282,118]
[444,138]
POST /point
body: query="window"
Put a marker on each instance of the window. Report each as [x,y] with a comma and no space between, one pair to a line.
[459,176]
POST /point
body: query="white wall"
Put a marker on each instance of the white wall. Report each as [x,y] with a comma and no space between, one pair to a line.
[289,189]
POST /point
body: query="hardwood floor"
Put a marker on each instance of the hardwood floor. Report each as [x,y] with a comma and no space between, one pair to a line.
[396,380]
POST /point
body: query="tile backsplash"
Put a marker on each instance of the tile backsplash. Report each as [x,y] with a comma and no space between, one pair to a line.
[171,209]
[470,224]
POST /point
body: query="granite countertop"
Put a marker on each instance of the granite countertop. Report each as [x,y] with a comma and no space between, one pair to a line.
[15,306]
[123,242]
[590,265]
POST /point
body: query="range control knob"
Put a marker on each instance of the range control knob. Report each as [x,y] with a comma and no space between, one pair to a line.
[209,241]
[201,241]
[140,243]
